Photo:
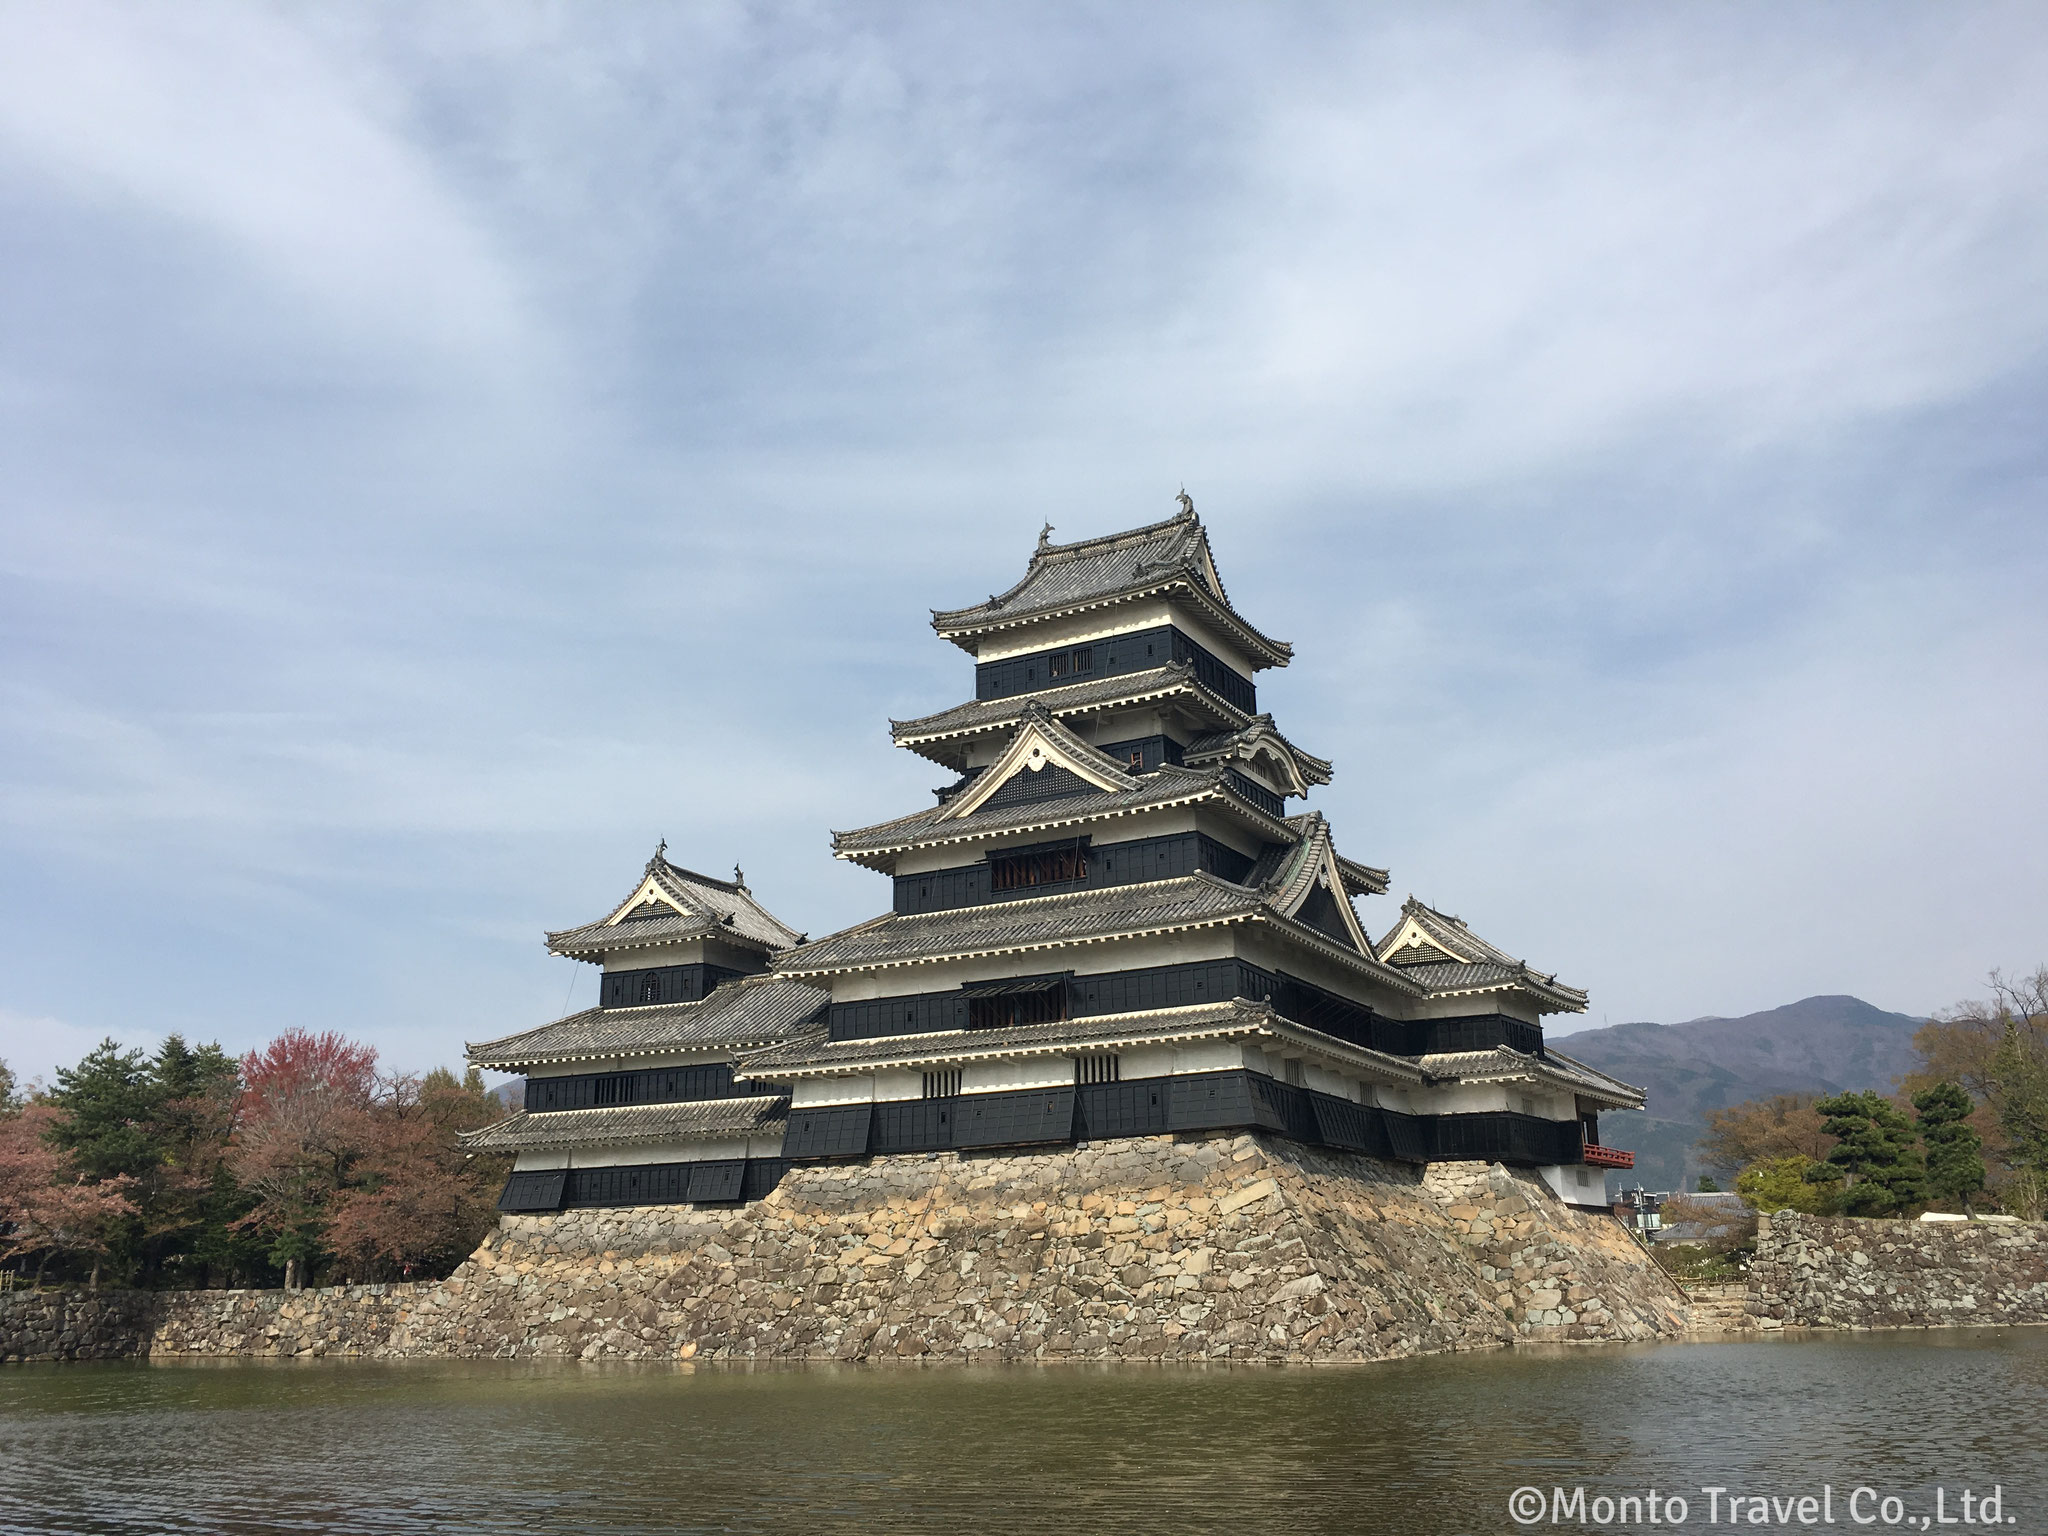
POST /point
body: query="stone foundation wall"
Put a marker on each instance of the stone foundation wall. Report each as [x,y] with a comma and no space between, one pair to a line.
[1226,1247]
[1845,1272]
[75,1325]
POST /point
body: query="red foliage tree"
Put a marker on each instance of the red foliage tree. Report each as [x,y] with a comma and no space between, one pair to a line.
[304,1121]
[47,1207]
[420,1203]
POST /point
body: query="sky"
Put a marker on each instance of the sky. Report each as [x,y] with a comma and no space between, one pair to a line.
[446,449]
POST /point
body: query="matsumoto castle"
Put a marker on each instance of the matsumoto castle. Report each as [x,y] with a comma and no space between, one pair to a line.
[1109,924]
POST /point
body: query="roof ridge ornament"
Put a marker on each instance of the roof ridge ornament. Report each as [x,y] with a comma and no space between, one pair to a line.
[1045,538]
[660,856]
[1187,502]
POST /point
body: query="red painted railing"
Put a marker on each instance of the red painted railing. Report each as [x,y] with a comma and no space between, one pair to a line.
[1610,1157]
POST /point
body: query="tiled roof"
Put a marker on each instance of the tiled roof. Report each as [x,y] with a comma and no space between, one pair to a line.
[1439,979]
[1223,746]
[875,846]
[738,1015]
[1093,572]
[1189,901]
[1098,694]
[1203,1020]
[1506,1062]
[690,906]
[694,1119]
[1474,963]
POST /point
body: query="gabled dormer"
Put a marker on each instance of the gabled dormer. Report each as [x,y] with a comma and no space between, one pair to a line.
[676,935]
[1312,885]
[1044,761]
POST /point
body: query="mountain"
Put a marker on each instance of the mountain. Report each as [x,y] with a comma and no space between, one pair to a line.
[1816,1045]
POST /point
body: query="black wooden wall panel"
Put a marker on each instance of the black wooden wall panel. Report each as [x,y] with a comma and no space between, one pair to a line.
[1356,1127]
[1014,1119]
[1148,751]
[661,984]
[1255,792]
[914,1125]
[1412,1137]
[1124,863]
[1478,1032]
[535,1190]
[1136,652]
[657,1085]
[763,1174]
[1283,1107]
[1212,1101]
[840,1130]
[716,1182]
[1134,1108]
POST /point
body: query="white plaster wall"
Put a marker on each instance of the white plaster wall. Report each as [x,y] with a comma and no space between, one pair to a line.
[898,1083]
[690,953]
[1336,1084]
[1147,1061]
[1003,1076]
[1123,620]
[1459,1099]
[1576,1184]
[810,1092]
[1511,1004]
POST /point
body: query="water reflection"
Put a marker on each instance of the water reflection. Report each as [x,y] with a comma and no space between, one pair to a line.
[1425,1446]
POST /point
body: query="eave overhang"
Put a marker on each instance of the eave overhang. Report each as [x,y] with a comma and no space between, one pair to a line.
[1239,1019]
[1260,649]
[934,833]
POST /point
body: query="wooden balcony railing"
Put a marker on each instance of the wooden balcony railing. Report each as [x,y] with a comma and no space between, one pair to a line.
[1609,1157]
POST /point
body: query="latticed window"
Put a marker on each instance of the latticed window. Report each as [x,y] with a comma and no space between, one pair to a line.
[1098,1069]
[1037,866]
[1015,1003]
[942,1085]
[650,989]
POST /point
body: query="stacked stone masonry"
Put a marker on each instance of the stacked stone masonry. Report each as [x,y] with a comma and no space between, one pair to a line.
[1841,1272]
[1228,1247]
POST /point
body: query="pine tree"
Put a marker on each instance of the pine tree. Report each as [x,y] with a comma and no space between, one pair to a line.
[1876,1150]
[1955,1167]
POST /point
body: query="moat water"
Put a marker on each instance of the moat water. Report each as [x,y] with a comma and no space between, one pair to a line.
[1425,1446]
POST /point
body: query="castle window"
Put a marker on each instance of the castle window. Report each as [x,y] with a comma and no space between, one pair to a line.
[1137,757]
[1098,1069]
[1039,866]
[1026,1000]
[942,1085]
[650,989]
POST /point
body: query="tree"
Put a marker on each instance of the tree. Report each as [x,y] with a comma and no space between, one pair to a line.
[1996,1048]
[1784,1184]
[1759,1130]
[1708,1185]
[1955,1171]
[47,1204]
[10,1100]
[1875,1152]
[302,1124]
[421,1203]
